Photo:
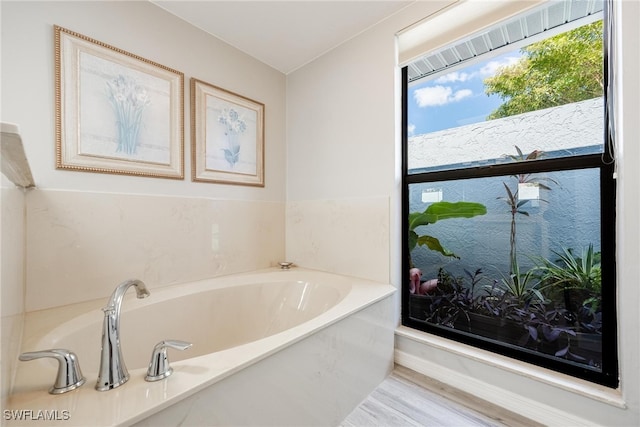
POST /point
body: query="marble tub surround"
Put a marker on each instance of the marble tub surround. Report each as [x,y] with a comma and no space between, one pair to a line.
[12,280]
[352,339]
[80,245]
[316,382]
[345,236]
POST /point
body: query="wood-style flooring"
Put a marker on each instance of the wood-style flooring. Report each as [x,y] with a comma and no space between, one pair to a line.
[408,399]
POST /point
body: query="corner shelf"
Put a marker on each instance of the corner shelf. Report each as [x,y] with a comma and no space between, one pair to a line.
[14,160]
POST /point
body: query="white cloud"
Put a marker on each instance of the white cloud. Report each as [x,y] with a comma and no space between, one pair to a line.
[431,96]
[491,67]
[454,77]
[411,129]
[439,95]
[461,94]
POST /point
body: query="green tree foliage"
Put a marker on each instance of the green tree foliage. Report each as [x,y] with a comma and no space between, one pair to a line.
[556,71]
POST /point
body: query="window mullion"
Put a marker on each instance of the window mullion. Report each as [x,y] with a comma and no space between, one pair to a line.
[537,166]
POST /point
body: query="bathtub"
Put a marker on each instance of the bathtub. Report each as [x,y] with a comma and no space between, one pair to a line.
[271,347]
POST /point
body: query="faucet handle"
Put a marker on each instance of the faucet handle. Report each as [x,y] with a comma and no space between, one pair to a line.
[159,366]
[69,375]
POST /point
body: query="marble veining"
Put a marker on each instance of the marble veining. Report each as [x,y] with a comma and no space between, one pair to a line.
[346,236]
[80,245]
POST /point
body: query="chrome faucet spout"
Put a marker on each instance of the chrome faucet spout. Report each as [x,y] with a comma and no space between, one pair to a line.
[115,301]
[113,371]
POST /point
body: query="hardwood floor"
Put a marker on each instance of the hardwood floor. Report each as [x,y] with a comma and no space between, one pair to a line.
[407,398]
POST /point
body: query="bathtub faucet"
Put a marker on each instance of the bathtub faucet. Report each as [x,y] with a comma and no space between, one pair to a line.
[113,372]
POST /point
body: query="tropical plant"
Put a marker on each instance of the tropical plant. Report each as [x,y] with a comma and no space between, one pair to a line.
[571,272]
[474,278]
[527,178]
[523,287]
[546,327]
[496,302]
[594,324]
[437,212]
[515,208]
[452,298]
[513,201]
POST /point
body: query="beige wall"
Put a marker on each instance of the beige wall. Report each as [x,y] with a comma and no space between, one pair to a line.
[343,115]
[343,144]
[146,30]
[88,232]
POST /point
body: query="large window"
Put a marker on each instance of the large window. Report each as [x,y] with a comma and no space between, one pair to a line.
[509,196]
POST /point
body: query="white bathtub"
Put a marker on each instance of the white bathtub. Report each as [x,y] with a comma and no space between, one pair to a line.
[270,347]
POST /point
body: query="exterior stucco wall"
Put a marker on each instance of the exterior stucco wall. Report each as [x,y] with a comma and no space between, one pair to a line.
[576,125]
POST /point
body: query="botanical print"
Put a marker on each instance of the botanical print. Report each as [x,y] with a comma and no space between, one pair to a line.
[129,101]
[234,126]
[227,136]
[124,113]
[231,137]
[116,112]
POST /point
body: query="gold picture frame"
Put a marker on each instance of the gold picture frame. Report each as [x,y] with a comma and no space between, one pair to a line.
[227,136]
[116,112]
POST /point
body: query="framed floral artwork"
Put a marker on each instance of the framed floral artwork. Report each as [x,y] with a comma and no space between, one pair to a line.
[116,112]
[227,132]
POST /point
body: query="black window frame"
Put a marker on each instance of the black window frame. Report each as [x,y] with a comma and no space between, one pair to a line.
[609,375]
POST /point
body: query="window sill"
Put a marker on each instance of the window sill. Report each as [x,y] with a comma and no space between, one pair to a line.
[603,394]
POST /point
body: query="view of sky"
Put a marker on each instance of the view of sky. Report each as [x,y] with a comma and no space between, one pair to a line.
[455,99]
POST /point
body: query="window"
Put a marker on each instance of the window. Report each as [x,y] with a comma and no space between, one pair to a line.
[509,194]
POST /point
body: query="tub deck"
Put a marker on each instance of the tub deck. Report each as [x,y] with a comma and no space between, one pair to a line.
[138,399]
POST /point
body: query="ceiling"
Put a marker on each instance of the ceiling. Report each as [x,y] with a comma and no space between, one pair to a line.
[284,34]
